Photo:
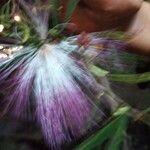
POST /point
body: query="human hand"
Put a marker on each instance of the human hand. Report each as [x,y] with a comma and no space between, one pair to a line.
[97,15]
[113,6]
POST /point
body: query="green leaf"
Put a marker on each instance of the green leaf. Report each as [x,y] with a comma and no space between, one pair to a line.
[121,111]
[114,131]
[5,9]
[118,137]
[147,110]
[70,9]
[55,4]
[130,78]
[98,72]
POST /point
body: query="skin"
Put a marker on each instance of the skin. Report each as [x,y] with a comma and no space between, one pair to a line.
[131,16]
[140,26]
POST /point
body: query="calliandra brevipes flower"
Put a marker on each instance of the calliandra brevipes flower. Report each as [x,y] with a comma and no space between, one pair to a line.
[46,82]
[53,87]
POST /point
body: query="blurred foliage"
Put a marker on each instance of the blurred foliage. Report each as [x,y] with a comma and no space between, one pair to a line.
[127,78]
[112,133]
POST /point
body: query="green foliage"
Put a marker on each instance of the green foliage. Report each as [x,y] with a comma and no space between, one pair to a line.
[113,132]
[126,78]
[55,4]
[5,15]
[130,78]
[97,72]
[70,9]
[25,30]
